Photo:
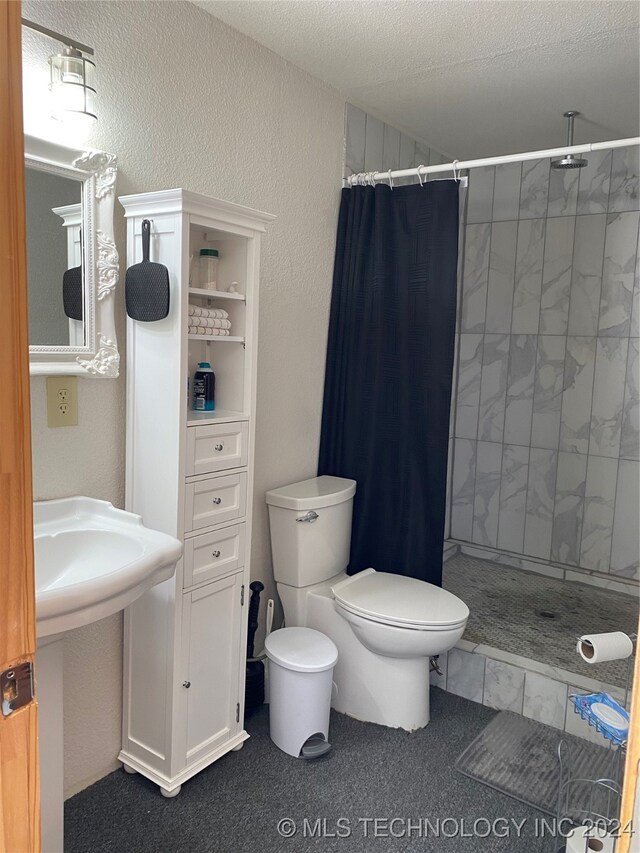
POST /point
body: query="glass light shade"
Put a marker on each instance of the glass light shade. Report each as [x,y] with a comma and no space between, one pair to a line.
[73,86]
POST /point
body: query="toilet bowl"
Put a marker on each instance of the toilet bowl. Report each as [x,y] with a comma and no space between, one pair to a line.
[400,617]
[385,626]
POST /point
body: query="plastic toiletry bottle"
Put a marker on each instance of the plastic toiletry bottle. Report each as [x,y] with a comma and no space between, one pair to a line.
[204,388]
[208,269]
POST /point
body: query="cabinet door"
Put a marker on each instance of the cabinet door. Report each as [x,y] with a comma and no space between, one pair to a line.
[211,640]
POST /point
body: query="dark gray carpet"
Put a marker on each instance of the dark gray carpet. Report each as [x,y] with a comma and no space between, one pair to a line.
[519,757]
[235,805]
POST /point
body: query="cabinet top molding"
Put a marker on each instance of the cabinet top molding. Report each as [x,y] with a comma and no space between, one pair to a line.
[185,201]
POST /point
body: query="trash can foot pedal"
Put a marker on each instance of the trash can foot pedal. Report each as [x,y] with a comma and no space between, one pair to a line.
[315,747]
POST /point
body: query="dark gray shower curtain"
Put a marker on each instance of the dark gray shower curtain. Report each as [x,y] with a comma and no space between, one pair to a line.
[385,419]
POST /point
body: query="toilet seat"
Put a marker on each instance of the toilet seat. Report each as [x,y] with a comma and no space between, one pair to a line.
[400,601]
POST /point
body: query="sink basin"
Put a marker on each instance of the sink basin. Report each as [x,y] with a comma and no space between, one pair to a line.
[93,560]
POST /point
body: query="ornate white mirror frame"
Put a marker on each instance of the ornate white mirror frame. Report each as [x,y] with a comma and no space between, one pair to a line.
[99,356]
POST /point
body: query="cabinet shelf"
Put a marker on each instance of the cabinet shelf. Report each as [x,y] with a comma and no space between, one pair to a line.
[216,417]
[230,339]
[216,294]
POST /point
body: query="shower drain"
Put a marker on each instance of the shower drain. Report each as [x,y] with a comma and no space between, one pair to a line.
[546,614]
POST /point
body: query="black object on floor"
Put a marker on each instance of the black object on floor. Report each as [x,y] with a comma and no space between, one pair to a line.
[261,800]
[146,286]
[519,757]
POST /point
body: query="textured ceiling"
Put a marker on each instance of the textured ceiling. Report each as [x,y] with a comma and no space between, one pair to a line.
[472,78]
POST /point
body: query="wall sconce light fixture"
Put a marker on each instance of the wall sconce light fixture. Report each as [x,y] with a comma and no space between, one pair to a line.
[72,78]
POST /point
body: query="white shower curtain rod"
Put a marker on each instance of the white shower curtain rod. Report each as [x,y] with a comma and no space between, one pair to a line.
[457,165]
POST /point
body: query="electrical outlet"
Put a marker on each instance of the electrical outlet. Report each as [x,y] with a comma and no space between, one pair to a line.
[62,401]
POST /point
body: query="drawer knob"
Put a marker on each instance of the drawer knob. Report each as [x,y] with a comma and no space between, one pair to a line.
[186,684]
[216,553]
[217,500]
[219,447]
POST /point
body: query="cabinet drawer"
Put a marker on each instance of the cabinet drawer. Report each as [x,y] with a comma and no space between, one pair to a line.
[215,500]
[216,447]
[214,554]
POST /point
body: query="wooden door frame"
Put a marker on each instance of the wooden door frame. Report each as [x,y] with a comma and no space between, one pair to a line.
[630,807]
[19,760]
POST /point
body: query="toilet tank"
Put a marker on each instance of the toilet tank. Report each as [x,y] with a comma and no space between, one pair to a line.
[308,550]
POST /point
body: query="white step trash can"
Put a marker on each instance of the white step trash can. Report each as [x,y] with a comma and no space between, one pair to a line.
[301,663]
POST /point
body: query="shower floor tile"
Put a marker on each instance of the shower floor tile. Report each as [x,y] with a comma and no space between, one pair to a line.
[538,617]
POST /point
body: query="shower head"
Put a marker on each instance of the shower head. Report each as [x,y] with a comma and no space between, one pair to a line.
[569,161]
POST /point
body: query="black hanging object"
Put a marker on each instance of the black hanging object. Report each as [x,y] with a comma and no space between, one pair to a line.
[254,607]
[72,291]
[146,286]
[254,685]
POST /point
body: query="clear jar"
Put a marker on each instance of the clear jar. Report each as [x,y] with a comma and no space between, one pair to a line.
[208,269]
[194,270]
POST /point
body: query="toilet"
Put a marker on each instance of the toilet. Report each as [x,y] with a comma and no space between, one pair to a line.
[385,626]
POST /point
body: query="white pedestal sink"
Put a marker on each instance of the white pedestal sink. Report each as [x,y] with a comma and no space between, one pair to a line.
[92,560]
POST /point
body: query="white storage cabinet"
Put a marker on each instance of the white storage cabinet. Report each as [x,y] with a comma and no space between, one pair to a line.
[190,474]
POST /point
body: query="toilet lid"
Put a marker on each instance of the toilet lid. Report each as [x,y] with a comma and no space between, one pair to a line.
[398,600]
[301,649]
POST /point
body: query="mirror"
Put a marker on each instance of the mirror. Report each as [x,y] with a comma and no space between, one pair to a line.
[54,259]
[72,260]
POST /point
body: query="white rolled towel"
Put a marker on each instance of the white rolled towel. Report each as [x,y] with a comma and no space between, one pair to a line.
[210,322]
[206,332]
[215,313]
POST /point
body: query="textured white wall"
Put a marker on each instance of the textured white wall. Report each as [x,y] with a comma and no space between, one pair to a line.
[186,101]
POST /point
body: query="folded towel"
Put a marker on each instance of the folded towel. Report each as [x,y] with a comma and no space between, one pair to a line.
[210,322]
[206,332]
[216,313]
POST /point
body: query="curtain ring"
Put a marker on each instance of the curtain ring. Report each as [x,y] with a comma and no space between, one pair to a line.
[390,180]
[456,171]
[421,166]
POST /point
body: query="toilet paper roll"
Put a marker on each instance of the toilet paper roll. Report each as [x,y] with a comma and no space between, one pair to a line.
[585,839]
[596,648]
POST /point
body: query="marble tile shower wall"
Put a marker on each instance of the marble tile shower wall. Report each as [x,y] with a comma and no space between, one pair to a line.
[545,434]
[372,145]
